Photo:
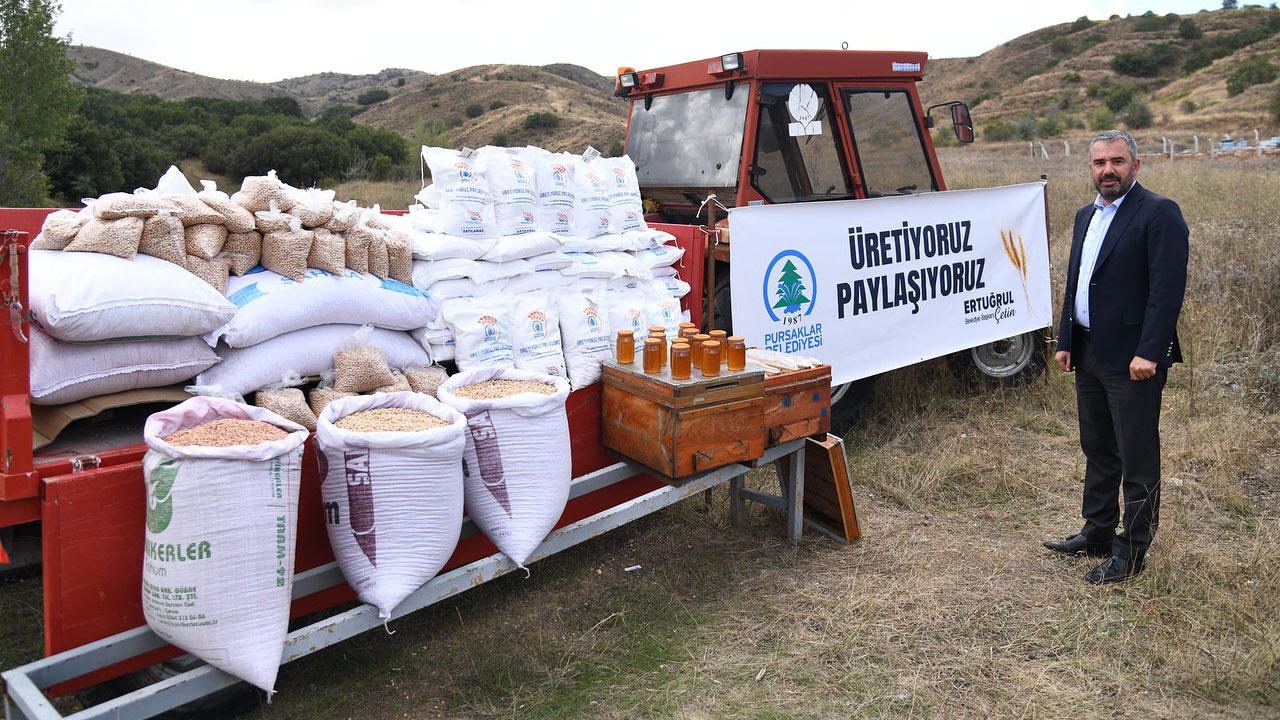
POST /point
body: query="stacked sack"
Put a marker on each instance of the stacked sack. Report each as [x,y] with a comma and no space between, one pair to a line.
[539,256]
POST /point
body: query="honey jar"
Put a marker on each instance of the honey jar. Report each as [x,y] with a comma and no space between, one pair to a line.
[680,365]
[661,337]
[695,347]
[710,358]
[736,353]
[626,348]
[652,356]
[719,336]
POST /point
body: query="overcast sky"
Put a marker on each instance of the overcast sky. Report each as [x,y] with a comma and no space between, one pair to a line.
[267,40]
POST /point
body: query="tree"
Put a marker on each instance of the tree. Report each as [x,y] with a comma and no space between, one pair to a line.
[1229,4]
[1101,119]
[284,106]
[1254,71]
[372,96]
[474,110]
[1189,30]
[790,290]
[37,98]
[302,155]
[1137,115]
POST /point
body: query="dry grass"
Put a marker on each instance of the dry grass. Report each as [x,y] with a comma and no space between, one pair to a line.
[949,607]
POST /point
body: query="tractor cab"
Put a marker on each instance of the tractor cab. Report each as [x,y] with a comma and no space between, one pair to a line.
[777,126]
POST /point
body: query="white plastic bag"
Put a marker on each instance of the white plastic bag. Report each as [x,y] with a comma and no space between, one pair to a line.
[393,500]
[511,182]
[514,247]
[553,175]
[438,246]
[220,538]
[626,210]
[85,297]
[585,335]
[629,310]
[517,467]
[269,304]
[481,330]
[591,213]
[535,333]
[466,205]
[67,372]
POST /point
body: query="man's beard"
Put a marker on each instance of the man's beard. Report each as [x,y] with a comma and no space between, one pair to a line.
[1123,185]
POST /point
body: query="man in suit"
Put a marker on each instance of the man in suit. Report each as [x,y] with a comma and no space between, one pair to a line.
[1125,282]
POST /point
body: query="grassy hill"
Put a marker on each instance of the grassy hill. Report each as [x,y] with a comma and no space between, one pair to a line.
[1068,71]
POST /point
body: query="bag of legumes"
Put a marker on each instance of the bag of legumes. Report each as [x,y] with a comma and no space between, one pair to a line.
[391,473]
[516,466]
[222,503]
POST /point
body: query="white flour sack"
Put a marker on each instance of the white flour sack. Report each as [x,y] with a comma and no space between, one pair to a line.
[481,331]
[86,297]
[629,310]
[591,213]
[553,180]
[270,304]
[626,210]
[516,466]
[221,524]
[305,352]
[465,203]
[67,372]
[585,335]
[535,333]
[392,500]
[511,182]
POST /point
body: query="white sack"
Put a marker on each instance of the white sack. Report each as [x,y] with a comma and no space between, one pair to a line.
[513,247]
[481,331]
[586,336]
[540,280]
[626,209]
[591,213]
[466,205]
[553,180]
[393,499]
[66,372]
[629,310]
[660,256]
[535,333]
[220,538]
[517,466]
[270,304]
[305,352]
[511,182]
[438,246]
[84,297]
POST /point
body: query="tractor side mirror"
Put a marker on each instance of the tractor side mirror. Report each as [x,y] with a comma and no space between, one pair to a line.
[962,122]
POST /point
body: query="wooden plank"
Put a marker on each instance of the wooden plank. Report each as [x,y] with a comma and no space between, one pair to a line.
[827,474]
[797,404]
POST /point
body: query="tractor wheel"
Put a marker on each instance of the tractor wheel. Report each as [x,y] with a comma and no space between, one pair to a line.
[1012,361]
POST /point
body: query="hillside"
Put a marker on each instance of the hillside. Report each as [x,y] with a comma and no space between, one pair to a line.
[588,114]
[1066,70]
[110,70]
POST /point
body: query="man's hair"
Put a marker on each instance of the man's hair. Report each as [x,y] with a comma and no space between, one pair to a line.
[1113,135]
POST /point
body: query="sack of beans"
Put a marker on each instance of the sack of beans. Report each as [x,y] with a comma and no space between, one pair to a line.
[535,333]
[222,484]
[272,219]
[63,372]
[238,220]
[314,207]
[425,380]
[400,257]
[244,250]
[164,237]
[344,216]
[358,238]
[286,251]
[516,466]
[59,229]
[193,211]
[259,192]
[399,383]
[215,271]
[320,397]
[379,265]
[328,252]
[586,336]
[114,206]
[205,240]
[287,401]
[391,474]
[111,237]
[481,331]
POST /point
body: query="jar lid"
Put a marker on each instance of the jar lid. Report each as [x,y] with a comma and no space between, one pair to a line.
[652,341]
[736,339]
[711,345]
[626,332]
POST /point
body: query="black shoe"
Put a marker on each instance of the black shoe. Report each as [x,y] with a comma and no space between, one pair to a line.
[1114,569]
[1078,545]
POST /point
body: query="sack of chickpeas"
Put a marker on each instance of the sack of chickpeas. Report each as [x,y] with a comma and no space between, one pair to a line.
[391,474]
[516,466]
[222,503]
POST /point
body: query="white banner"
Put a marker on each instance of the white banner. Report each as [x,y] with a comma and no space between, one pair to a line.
[878,284]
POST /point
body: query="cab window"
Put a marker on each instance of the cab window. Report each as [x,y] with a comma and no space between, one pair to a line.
[797,155]
[887,142]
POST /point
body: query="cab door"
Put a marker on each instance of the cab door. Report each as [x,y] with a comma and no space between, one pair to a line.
[798,153]
[885,133]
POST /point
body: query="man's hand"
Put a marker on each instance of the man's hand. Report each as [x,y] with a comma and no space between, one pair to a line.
[1063,357]
[1141,368]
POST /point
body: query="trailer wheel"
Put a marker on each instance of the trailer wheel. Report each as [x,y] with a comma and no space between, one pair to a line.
[1012,361]
[226,702]
[849,403]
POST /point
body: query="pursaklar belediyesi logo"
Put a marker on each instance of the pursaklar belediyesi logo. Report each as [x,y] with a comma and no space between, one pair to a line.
[790,286]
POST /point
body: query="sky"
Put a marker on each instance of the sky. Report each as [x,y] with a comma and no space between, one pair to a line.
[268,40]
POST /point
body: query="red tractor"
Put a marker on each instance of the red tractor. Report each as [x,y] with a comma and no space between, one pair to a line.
[788,126]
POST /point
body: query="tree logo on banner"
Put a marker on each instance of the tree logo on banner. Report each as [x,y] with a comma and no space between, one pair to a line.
[790,284]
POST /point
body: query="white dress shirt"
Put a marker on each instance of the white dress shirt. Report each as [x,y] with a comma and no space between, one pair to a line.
[1093,237]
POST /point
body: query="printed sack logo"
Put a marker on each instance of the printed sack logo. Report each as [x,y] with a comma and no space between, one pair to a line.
[790,286]
[160,496]
[593,319]
[596,183]
[475,217]
[490,325]
[537,324]
[465,173]
[668,312]
[518,171]
[558,173]
[619,178]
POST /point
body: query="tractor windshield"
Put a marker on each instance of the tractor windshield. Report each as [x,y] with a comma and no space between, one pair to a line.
[797,154]
[886,138]
[691,139]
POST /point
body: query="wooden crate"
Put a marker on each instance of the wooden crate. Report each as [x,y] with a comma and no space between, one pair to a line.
[797,404]
[682,427]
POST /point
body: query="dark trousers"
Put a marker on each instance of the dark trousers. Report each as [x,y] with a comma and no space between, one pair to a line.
[1120,437]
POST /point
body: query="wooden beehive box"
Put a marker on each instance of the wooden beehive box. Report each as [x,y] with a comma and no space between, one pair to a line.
[681,427]
[797,404]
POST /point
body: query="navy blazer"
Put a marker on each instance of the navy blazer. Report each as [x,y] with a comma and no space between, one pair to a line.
[1138,282]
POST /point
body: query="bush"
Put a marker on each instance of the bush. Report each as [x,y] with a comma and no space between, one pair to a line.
[1145,64]
[497,104]
[1189,30]
[1060,45]
[1150,22]
[284,106]
[1120,96]
[1049,126]
[501,140]
[541,120]
[616,149]
[1093,90]
[1255,71]
[983,97]
[1188,107]
[399,82]
[1066,98]
[1101,119]
[375,95]
[1025,128]
[1274,105]
[1137,115]
[1082,23]
[1071,77]
[301,155]
[1089,42]
[474,110]
[997,131]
